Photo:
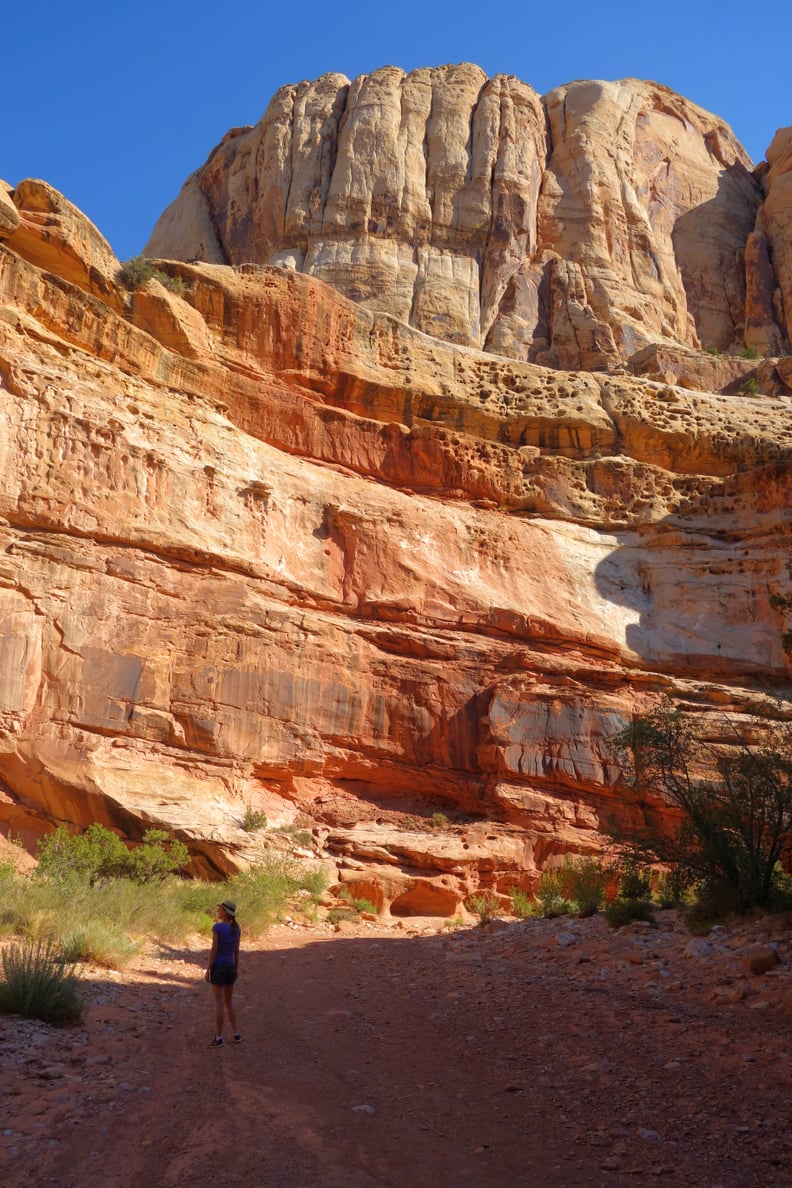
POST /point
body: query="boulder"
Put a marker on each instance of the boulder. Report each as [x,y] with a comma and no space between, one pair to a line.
[759,959]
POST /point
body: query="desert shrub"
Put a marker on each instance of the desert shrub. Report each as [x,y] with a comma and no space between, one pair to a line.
[484,905]
[749,352]
[781,896]
[98,854]
[99,943]
[28,907]
[253,820]
[672,888]
[750,387]
[551,894]
[156,858]
[359,903]
[106,922]
[38,983]
[634,878]
[136,273]
[156,910]
[337,914]
[583,881]
[735,803]
[174,284]
[314,880]
[108,912]
[522,904]
[8,867]
[439,821]
[297,834]
[84,857]
[263,891]
[624,911]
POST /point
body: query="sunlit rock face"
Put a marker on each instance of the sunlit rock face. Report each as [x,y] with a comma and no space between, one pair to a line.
[265,545]
[572,230]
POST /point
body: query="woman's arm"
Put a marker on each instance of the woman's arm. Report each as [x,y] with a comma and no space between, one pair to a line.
[213,953]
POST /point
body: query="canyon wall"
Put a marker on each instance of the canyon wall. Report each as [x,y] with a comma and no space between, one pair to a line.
[572,230]
[267,546]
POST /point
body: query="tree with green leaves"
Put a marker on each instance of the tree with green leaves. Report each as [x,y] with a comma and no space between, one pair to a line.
[98,854]
[733,801]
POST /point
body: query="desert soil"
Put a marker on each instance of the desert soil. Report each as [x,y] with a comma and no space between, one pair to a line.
[537,1054]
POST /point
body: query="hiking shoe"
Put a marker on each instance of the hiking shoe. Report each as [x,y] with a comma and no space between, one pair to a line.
[217,1042]
[237,1038]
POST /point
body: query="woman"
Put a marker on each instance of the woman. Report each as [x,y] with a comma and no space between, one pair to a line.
[223,968]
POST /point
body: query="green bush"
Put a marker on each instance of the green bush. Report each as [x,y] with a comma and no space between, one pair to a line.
[583,880]
[107,921]
[735,803]
[522,904]
[174,284]
[156,858]
[359,904]
[749,352]
[672,888]
[551,894]
[99,854]
[634,878]
[263,891]
[253,820]
[99,943]
[297,834]
[485,905]
[439,821]
[624,911]
[337,914]
[136,273]
[96,854]
[165,911]
[38,984]
[8,867]
[750,387]
[313,880]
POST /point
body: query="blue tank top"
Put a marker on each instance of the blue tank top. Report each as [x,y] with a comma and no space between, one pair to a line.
[226,942]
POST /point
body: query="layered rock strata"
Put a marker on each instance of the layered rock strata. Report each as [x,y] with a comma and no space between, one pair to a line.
[264,546]
[572,230]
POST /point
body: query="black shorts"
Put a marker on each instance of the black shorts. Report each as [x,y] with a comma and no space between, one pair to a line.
[222,975]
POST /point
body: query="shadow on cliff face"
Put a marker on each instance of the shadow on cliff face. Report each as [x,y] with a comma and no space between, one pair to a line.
[502,1055]
[698,587]
[709,245]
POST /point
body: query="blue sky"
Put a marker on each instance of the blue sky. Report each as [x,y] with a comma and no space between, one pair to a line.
[115,103]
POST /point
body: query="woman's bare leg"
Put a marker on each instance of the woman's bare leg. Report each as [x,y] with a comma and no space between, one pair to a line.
[217,994]
[228,994]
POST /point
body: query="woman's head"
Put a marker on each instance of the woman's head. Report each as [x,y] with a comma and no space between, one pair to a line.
[227,909]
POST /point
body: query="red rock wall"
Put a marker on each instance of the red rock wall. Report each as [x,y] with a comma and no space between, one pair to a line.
[264,546]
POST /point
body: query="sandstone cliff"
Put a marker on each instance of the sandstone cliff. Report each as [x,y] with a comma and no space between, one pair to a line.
[266,545]
[571,231]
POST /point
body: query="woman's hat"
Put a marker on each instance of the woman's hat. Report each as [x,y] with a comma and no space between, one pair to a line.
[229,906]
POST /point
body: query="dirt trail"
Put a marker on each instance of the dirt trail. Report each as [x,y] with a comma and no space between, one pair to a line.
[541,1055]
